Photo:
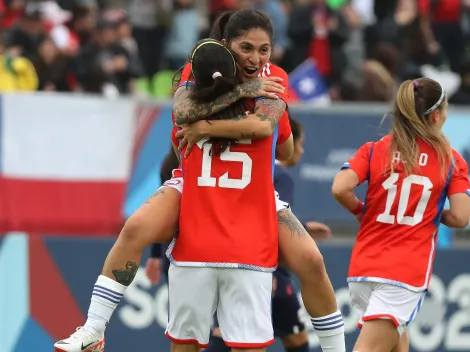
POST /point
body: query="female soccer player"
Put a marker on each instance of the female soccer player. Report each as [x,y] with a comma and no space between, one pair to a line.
[410,173]
[249,35]
[156,221]
[285,303]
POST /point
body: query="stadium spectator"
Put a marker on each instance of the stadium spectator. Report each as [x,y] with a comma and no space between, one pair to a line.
[16,72]
[150,20]
[27,33]
[184,33]
[51,67]
[103,65]
[462,96]
[440,23]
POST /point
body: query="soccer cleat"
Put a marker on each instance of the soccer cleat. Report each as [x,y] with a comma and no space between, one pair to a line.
[83,340]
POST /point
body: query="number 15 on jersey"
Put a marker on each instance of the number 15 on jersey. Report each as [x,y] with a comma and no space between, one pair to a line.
[224,181]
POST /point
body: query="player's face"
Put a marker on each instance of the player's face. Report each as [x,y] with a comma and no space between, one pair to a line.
[252,51]
[298,151]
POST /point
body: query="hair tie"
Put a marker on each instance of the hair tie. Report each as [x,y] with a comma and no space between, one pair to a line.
[416,84]
[216,74]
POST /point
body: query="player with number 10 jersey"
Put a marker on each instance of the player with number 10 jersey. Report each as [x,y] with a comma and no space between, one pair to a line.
[410,173]
[403,214]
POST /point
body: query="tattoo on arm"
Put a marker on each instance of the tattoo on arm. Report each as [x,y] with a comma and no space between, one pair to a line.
[290,221]
[270,110]
[187,110]
[125,276]
[155,194]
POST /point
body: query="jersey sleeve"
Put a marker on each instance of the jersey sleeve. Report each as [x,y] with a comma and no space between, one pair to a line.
[459,182]
[284,129]
[271,70]
[360,162]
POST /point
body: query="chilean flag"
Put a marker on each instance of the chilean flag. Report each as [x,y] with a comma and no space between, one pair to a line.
[64,163]
[307,85]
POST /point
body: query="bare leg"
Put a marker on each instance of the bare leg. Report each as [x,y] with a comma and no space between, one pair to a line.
[155,221]
[303,257]
[379,335]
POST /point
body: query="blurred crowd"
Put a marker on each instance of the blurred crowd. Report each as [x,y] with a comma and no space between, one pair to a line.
[362,48]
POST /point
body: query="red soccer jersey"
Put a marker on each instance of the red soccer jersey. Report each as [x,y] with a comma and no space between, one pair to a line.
[397,239]
[228,214]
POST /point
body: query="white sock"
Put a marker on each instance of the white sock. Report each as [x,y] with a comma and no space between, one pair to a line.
[330,332]
[106,296]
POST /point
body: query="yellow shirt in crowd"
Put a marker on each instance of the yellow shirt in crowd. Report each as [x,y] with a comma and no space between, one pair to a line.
[17,74]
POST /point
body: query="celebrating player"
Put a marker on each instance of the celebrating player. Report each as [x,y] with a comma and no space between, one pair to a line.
[285,303]
[226,248]
[410,173]
[249,34]
[156,221]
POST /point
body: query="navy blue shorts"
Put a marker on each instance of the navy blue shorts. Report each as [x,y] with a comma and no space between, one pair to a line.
[285,306]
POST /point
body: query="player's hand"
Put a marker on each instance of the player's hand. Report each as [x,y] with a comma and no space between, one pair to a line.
[261,87]
[274,284]
[318,230]
[359,217]
[153,270]
[190,134]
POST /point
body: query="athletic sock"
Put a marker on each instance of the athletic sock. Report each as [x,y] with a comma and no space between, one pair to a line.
[330,332]
[106,296]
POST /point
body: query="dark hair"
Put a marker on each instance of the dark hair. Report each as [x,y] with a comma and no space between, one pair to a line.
[230,25]
[214,71]
[297,128]
[209,58]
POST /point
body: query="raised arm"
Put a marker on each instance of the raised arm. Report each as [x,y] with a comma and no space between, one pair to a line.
[186,110]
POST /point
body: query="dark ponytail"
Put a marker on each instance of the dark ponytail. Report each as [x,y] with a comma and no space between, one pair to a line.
[221,85]
[218,28]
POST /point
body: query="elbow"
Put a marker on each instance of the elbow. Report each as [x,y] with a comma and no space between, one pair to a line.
[283,154]
[461,221]
[338,189]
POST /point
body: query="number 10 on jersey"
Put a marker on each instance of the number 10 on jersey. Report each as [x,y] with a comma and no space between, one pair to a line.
[224,181]
[390,184]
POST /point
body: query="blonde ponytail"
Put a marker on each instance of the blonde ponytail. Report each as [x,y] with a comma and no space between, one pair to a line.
[414,103]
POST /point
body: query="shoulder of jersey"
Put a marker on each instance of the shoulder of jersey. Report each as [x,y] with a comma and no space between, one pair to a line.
[273,70]
[384,140]
[458,157]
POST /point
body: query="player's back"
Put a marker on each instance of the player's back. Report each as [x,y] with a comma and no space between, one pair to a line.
[228,209]
[398,230]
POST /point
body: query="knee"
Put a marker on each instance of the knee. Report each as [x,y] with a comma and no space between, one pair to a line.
[129,234]
[310,265]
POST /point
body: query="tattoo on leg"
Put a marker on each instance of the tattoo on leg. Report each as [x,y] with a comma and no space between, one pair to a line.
[290,221]
[157,192]
[125,276]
